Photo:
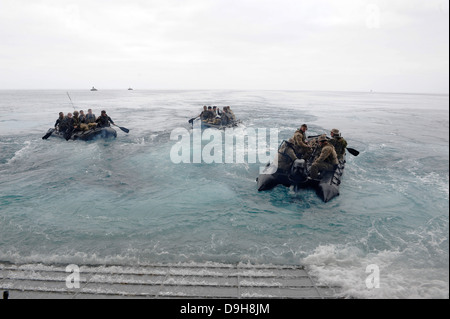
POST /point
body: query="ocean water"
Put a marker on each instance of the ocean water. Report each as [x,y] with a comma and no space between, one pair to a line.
[125,202]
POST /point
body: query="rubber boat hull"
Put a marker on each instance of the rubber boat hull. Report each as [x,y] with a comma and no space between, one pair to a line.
[206,125]
[97,133]
[327,187]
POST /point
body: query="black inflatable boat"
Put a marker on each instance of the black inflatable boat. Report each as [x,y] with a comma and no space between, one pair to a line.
[89,135]
[327,186]
[205,125]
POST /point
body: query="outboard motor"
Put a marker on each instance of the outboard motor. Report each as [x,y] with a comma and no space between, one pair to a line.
[299,172]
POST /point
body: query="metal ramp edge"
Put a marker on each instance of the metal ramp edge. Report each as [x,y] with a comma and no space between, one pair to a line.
[161,281]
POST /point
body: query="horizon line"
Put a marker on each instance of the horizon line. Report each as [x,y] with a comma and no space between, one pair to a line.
[280,90]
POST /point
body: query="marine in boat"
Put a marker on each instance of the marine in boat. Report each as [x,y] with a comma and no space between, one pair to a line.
[72,127]
[318,167]
[213,117]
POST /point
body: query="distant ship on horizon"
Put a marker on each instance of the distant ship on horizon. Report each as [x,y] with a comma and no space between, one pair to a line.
[130,89]
[94,89]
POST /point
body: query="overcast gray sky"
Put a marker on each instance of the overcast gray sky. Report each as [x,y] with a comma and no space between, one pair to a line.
[351,45]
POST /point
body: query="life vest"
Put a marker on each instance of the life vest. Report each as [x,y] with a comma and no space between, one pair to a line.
[90,118]
[103,121]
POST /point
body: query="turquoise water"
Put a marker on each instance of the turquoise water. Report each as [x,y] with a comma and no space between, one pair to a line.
[125,201]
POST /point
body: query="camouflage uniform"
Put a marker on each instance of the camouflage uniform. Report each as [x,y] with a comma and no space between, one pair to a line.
[299,139]
[340,144]
[231,116]
[293,149]
[68,127]
[67,123]
[207,115]
[82,118]
[287,154]
[225,118]
[327,161]
[90,121]
[76,119]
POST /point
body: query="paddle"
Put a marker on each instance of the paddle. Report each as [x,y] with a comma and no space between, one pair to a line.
[68,133]
[123,128]
[352,151]
[192,119]
[349,149]
[49,133]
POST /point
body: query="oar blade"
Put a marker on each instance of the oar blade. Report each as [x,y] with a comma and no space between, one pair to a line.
[191,121]
[124,129]
[352,151]
[46,136]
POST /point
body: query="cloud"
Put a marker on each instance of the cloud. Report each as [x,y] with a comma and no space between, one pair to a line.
[263,44]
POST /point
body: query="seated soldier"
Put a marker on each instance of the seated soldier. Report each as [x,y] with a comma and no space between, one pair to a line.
[204,115]
[300,141]
[104,120]
[327,160]
[59,122]
[339,143]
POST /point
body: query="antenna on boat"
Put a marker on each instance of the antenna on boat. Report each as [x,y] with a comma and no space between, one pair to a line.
[70,100]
